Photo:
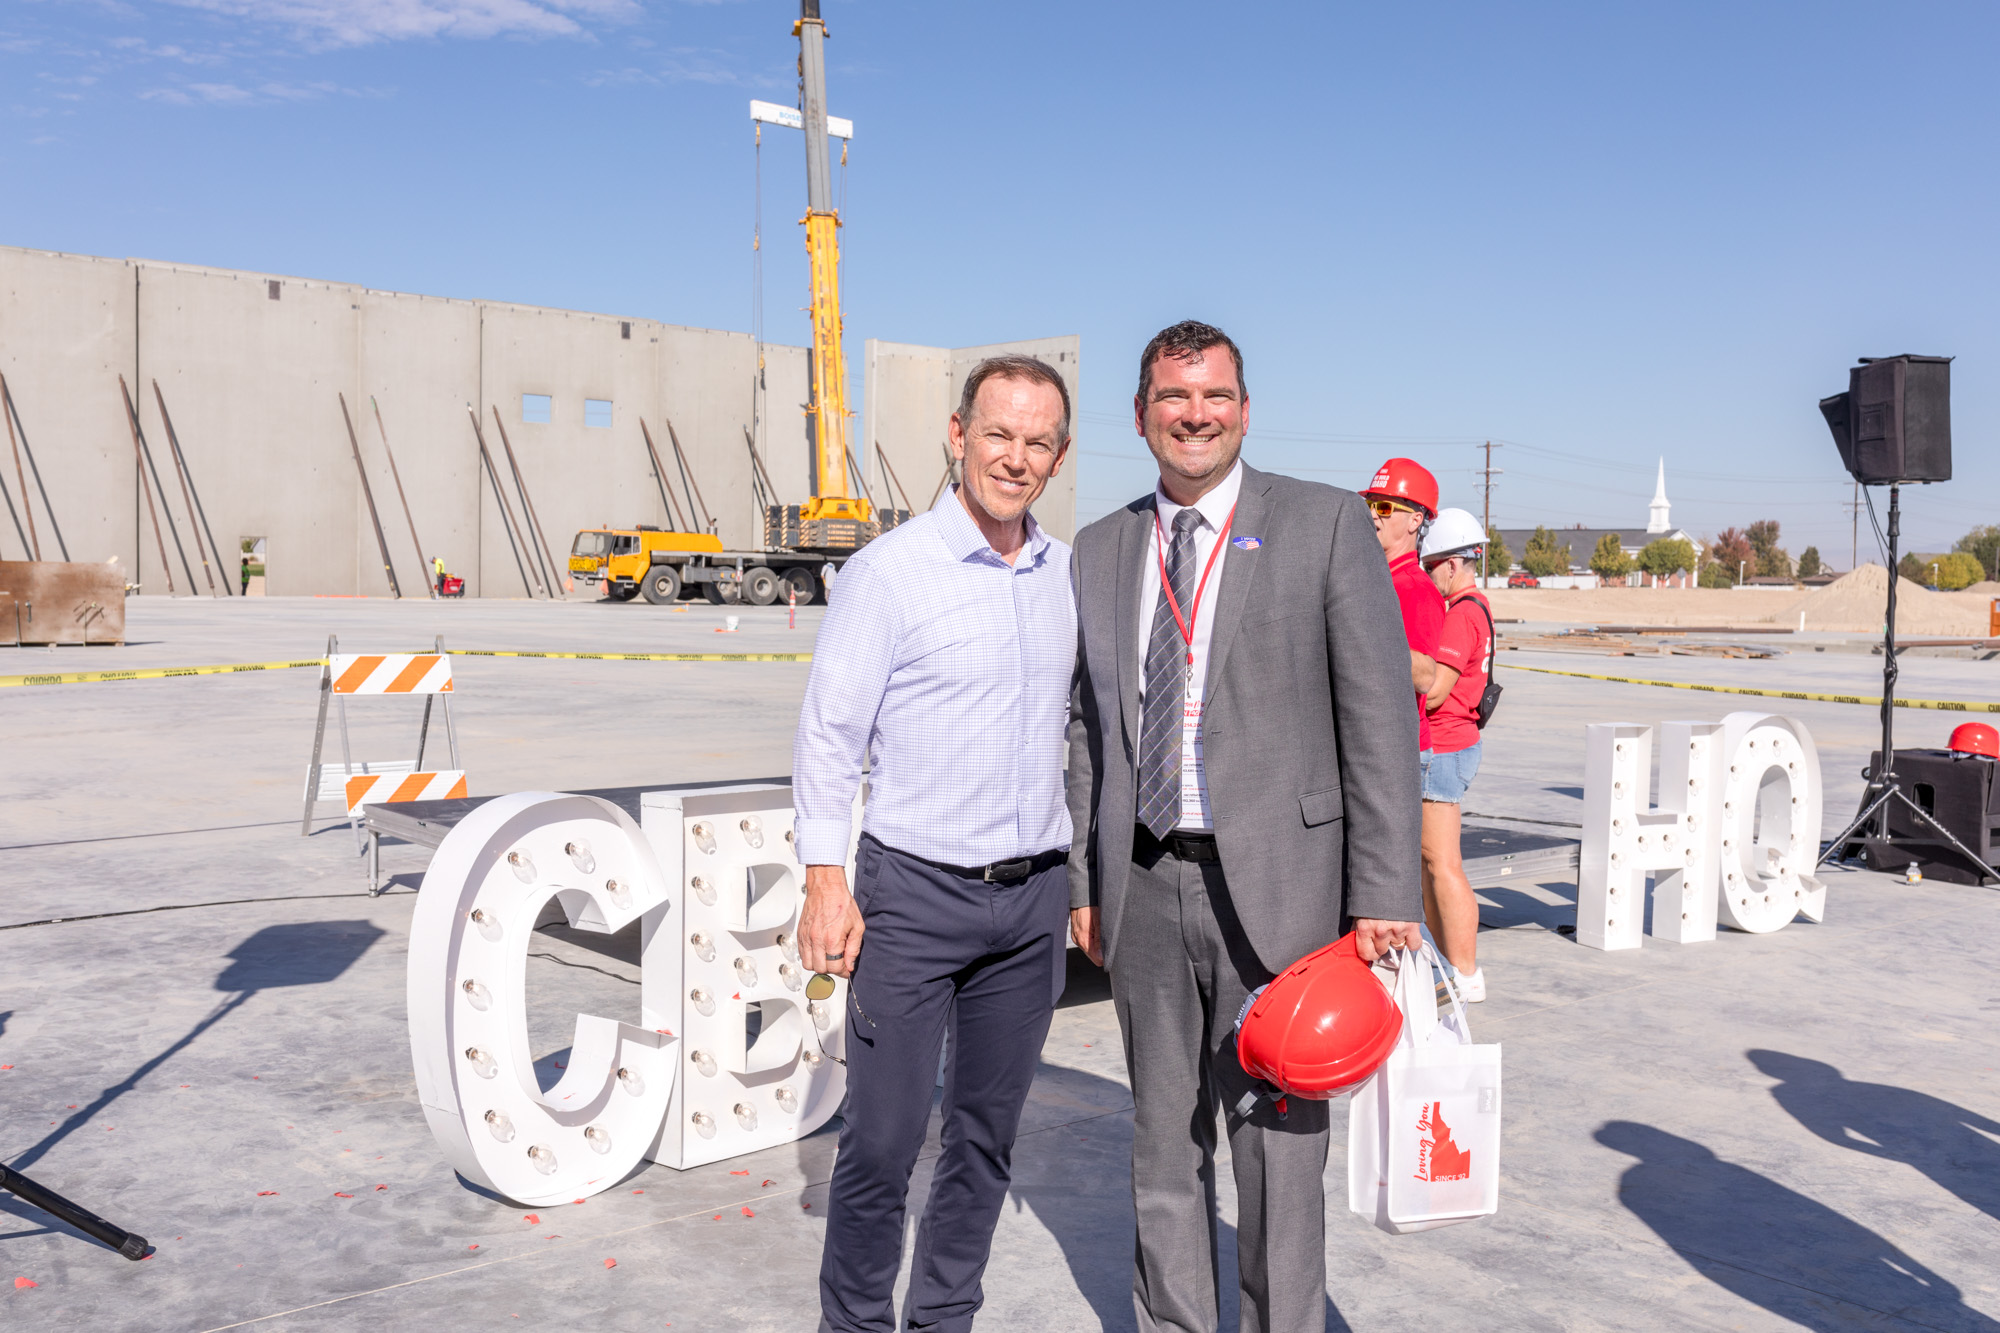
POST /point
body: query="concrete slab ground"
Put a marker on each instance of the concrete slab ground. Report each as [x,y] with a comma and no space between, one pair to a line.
[1792,1130]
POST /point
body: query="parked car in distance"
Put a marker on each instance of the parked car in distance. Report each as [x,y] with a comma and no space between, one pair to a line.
[1523,581]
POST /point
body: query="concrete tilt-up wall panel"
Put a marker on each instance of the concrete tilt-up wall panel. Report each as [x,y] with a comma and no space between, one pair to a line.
[68,329]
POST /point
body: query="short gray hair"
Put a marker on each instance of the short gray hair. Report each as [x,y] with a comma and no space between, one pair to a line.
[1015,367]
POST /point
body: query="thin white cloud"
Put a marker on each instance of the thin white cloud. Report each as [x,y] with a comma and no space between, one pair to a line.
[360,22]
[685,64]
[231,94]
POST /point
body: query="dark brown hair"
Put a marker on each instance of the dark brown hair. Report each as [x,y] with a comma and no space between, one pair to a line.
[1185,342]
[1014,367]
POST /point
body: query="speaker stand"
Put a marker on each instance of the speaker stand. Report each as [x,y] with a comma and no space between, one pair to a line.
[130,1245]
[1882,789]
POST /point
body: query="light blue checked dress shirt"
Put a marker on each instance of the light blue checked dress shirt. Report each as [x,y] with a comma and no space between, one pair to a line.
[953,669]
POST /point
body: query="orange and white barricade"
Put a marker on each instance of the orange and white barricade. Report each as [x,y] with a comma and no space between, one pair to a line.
[447,784]
[389,673]
[357,784]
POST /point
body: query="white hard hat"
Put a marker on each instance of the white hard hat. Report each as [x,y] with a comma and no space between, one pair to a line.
[1452,532]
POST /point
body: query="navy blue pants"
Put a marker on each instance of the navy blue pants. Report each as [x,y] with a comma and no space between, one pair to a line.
[943,954]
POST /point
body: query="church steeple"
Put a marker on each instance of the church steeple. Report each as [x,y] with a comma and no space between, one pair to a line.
[1657,521]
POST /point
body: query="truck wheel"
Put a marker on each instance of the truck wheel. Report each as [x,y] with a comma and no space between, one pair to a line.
[715,594]
[621,592]
[800,580]
[662,585]
[760,586]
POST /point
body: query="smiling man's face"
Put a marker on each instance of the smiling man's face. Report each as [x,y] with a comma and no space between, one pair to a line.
[1011,447]
[1193,417]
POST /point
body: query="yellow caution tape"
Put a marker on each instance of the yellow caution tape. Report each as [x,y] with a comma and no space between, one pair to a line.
[1944,705]
[150,673]
[158,673]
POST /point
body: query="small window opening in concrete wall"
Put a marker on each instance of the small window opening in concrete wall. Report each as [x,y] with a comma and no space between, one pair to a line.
[625,329]
[273,287]
[535,408]
[251,563]
[597,413]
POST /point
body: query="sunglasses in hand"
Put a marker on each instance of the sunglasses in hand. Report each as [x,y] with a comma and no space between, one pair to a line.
[820,986]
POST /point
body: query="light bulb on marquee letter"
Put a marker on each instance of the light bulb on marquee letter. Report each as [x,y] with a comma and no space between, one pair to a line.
[469,938]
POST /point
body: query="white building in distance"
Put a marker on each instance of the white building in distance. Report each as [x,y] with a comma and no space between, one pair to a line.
[1582,541]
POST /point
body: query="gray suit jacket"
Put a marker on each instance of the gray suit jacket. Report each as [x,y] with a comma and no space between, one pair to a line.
[1309,733]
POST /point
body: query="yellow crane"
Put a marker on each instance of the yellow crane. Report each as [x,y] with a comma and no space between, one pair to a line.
[826,412]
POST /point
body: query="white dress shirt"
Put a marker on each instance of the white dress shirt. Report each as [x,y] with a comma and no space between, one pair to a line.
[1214,508]
[953,668]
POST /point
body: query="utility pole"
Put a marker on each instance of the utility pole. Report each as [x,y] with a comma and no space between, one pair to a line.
[1489,472]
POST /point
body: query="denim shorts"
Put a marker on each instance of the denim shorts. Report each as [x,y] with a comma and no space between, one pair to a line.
[1447,775]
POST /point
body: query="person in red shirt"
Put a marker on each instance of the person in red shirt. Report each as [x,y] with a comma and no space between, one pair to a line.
[1450,556]
[1403,498]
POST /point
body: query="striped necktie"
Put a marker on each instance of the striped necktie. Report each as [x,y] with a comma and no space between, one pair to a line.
[1166,687]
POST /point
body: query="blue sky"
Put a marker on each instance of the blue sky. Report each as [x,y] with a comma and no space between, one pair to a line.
[1601,233]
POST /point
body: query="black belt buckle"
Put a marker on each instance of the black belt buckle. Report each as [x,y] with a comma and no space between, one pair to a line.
[1192,847]
[1005,870]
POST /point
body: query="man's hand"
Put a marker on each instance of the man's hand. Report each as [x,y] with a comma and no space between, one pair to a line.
[1083,925]
[830,926]
[1374,938]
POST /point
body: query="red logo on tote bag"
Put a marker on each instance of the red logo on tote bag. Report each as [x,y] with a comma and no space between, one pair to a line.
[1438,1157]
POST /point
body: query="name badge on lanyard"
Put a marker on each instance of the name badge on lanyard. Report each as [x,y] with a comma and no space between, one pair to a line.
[1191,703]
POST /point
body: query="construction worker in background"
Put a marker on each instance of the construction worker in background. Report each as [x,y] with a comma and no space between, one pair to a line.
[437,571]
[1403,498]
[1450,555]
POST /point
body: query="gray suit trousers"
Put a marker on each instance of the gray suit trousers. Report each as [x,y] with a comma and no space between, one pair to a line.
[1182,971]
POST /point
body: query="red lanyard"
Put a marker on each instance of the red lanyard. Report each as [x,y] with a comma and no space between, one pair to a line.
[1186,623]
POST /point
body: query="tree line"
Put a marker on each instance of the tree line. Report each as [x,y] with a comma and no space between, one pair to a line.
[1733,556]
[1976,557]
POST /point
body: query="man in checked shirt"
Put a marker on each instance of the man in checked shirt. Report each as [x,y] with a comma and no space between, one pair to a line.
[947,652]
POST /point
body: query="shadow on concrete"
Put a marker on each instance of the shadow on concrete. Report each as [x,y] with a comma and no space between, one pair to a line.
[300,953]
[304,953]
[621,946]
[1084,983]
[1512,907]
[1089,1214]
[1945,1142]
[1773,1246]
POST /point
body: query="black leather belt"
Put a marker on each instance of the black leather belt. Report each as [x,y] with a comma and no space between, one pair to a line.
[999,872]
[1186,846]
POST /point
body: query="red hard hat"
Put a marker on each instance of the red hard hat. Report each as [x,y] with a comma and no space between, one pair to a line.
[1321,1027]
[1975,738]
[1403,479]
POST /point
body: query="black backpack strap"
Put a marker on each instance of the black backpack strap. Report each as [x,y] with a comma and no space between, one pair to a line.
[1489,699]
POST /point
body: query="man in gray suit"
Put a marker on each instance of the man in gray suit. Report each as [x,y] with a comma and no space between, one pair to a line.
[1242,777]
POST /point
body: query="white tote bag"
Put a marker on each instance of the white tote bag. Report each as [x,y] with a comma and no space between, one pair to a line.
[1423,1131]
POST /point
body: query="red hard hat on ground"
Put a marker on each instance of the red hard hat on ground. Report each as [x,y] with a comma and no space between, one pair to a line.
[1403,479]
[1322,1026]
[1975,738]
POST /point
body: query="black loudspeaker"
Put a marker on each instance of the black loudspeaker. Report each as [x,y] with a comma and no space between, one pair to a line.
[1960,793]
[1894,422]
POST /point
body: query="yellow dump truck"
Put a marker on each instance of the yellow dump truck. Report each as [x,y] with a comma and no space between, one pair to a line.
[663,567]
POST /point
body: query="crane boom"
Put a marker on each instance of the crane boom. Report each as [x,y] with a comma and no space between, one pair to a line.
[826,413]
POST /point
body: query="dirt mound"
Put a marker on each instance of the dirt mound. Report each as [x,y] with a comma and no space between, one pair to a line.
[1984,588]
[1650,606]
[1855,603]
[1851,604]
